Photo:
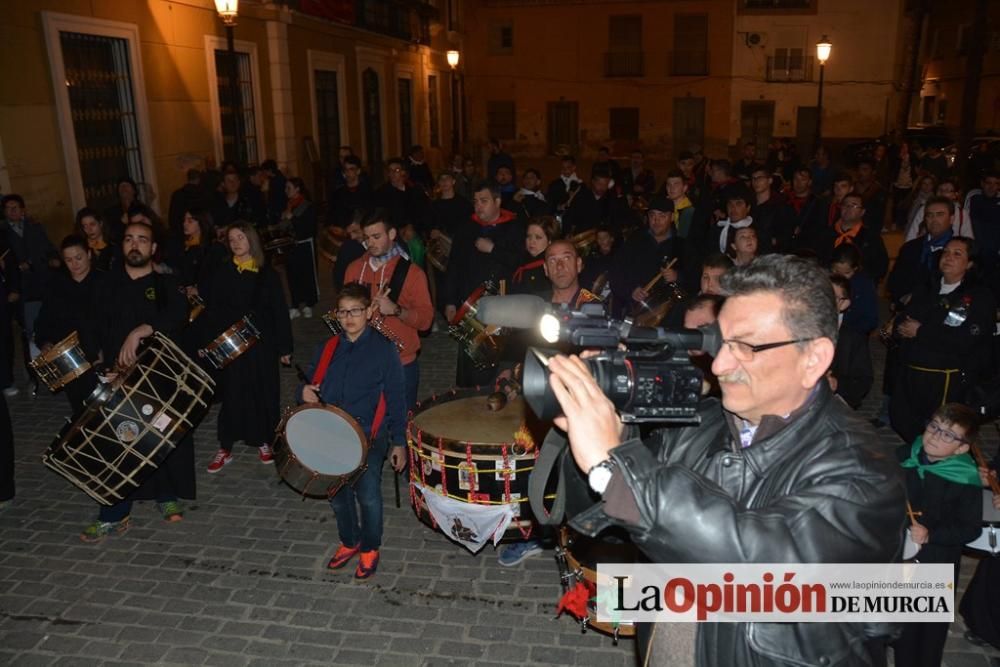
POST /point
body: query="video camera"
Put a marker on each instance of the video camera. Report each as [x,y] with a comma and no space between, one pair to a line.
[651,380]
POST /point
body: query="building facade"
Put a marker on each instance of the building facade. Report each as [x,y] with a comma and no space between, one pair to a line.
[569,76]
[776,75]
[101,90]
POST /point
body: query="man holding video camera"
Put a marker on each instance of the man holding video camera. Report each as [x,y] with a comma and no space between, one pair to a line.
[779,471]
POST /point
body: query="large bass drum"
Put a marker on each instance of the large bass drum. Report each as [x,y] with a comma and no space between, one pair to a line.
[130,425]
[464,450]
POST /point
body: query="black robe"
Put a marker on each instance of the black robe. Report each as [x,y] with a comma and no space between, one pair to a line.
[249,387]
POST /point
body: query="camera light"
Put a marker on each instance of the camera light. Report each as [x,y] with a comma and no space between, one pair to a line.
[549,327]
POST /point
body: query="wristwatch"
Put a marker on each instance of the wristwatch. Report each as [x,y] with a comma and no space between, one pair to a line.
[600,475]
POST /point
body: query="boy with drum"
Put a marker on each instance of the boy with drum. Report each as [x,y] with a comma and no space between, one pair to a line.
[360,372]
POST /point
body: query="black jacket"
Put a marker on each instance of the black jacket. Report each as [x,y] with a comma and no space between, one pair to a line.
[587,212]
[908,273]
[468,268]
[821,488]
[852,366]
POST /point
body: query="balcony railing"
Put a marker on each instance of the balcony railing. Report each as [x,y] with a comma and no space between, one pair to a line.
[783,69]
[623,63]
[689,63]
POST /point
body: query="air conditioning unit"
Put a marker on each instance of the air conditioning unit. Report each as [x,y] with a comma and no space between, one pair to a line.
[757,39]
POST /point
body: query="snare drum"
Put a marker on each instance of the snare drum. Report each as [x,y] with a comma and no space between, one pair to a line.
[478,340]
[989,539]
[231,343]
[133,423]
[578,556]
[62,364]
[485,456]
[320,448]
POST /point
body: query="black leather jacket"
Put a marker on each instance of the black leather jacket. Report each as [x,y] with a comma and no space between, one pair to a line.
[819,489]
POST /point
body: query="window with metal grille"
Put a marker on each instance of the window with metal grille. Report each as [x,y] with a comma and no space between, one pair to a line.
[563,127]
[99,85]
[433,111]
[690,54]
[689,123]
[328,119]
[624,56]
[623,123]
[405,87]
[501,119]
[236,116]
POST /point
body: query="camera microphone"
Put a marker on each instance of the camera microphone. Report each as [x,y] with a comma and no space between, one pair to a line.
[515,311]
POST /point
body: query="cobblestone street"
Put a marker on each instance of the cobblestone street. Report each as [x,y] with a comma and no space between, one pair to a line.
[242,580]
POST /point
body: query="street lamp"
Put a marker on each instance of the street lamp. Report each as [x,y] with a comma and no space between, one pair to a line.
[228,11]
[823,49]
[453,59]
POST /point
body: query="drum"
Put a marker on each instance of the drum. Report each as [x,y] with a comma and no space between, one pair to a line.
[277,244]
[319,449]
[477,339]
[130,425]
[330,241]
[62,364]
[578,556]
[485,455]
[989,539]
[231,343]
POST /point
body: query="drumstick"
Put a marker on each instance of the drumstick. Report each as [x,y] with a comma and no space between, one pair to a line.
[913,515]
[305,380]
[395,479]
[658,276]
[981,462]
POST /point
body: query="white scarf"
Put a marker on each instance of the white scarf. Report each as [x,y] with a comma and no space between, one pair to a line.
[376,263]
[569,180]
[726,226]
[531,193]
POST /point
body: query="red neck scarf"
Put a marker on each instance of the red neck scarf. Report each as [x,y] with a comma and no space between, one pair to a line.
[524,268]
[295,202]
[845,237]
[505,216]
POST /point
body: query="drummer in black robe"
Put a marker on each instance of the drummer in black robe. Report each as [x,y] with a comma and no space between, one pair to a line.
[201,256]
[249,386]
[529,277]
[134,302]
[69,303]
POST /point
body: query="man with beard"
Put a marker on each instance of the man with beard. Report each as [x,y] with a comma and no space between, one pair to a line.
[133,302]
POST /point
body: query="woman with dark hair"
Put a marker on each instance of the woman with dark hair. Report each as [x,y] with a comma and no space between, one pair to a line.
[69,303]
[945,334]
[529,277]
[202,253]
[90,226]
[249,387]
[300,215]
[116,215]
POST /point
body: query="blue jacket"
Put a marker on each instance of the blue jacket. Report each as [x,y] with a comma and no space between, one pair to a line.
[358,374]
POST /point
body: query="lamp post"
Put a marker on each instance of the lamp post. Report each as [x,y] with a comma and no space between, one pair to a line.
[453,59]
[823,48]
[228,11]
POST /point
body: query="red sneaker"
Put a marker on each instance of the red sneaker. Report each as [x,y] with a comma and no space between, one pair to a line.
[342,557]
[222,457]
[265,454]
[367,564]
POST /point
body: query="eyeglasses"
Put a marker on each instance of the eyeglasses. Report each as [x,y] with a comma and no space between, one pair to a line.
[349,312]
[948,437]
[744,351]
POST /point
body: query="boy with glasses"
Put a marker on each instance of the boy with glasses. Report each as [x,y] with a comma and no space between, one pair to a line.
[360,372]
[945,500]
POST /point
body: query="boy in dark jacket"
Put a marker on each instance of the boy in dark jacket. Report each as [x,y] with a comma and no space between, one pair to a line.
[851,373]
[945,496]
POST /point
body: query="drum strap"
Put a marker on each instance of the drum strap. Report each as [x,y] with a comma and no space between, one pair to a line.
[398,278]
[550,454]
[317,379]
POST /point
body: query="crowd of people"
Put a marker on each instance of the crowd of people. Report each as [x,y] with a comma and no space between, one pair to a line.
[787,257]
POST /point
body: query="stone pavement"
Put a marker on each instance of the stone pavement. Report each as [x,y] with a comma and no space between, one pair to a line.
[241,581]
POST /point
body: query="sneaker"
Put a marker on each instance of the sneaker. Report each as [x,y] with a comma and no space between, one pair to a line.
[307,312]
[293,313]
[11,391]
[171,511]
[265,455]
[367,564]
[222,457]
[342,557]
[97,531]
[513,554]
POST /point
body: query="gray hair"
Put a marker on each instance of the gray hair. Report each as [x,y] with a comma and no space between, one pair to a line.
[810,307]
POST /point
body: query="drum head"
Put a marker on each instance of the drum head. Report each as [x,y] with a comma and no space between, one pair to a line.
[470,419]
[324,441]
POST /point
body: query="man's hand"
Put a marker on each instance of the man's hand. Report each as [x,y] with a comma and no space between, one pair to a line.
[919,533]
[55,263]
[191,290]
[128,352]
[519,197]
[310,393]
[24,266]
[908,328]
[13,297]
[44,349]
[449,313]
[639,294]
[285,359]
[385,305]
[590,419]
[669,275]
[397,458]
[483,244]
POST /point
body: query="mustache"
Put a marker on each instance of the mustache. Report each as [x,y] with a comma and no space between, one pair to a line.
[738,377]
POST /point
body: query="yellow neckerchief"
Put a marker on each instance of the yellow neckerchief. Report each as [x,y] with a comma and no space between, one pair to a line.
[97,246]
[192,241]
[682,203]
[248,265]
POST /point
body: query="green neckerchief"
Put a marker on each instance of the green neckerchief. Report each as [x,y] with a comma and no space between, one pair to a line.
[960,469]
